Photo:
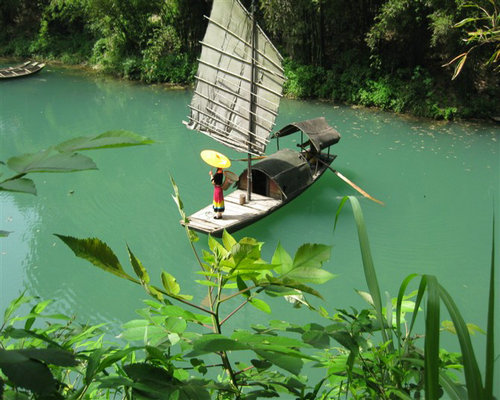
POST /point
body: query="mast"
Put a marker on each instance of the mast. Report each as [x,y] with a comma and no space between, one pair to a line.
[253,102]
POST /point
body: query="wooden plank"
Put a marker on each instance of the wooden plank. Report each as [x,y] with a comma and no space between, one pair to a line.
[236,214]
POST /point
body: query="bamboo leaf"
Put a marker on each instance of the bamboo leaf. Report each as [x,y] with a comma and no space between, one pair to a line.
[471,369]
[459,66]
[109,139]
[490,333]
[432,326]
[98,253]
[368,266]
[399,302]
[20,185]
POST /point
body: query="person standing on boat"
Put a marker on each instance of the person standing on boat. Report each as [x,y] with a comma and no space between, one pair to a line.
[218,181]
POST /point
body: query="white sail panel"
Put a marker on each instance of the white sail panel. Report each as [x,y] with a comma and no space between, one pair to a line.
[221,104]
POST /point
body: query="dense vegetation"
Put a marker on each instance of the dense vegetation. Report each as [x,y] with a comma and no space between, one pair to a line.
[384,53]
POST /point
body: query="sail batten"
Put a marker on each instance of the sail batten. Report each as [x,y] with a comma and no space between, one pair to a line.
[246,134]
[236,83]
[239,76]
[249,45]
[259,120]
[249,62]
[261,106]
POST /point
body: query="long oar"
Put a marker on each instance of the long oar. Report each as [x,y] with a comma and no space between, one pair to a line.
[352,184]
[246,159]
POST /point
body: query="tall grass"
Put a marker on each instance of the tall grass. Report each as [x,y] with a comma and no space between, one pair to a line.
[436,295]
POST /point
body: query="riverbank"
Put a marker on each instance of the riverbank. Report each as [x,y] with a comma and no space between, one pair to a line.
[414,93]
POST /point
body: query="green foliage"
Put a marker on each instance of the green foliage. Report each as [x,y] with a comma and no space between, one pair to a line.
[166,355]
[485,22]
[355,52]
[64,158]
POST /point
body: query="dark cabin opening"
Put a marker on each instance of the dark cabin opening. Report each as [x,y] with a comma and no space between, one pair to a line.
[259,183]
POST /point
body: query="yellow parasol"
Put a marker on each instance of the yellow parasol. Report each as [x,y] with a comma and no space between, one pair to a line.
[215,159]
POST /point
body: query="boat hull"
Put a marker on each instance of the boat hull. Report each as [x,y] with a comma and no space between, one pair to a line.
[20,71]
[238,216]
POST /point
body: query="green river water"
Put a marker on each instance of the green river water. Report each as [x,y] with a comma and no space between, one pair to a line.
[439,182]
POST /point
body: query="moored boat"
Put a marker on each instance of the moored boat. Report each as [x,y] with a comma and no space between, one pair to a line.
[22,70]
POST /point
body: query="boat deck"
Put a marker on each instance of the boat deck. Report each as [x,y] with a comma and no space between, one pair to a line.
[235,216]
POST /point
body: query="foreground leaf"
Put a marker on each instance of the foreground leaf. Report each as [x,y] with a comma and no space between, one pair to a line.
[109,139]
[21,185]
[48,161]
[98,253]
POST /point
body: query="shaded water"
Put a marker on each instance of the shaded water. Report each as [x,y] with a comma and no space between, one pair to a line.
[438,182]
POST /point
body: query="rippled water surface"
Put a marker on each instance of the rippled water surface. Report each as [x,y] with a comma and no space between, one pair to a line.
[438,180]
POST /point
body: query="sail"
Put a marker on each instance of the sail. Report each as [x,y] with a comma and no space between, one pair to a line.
[222,106]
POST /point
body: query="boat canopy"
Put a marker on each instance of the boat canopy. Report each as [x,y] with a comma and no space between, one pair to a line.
[317,130]
[288,169]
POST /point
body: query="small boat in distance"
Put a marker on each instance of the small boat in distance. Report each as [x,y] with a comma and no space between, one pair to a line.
[238,89]
[19,71]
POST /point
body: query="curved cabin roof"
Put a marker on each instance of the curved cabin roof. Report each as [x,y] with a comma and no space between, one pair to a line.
[319,132]
[288,168]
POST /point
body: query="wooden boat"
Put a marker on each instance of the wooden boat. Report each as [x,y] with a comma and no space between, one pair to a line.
[238,89]
[18,71]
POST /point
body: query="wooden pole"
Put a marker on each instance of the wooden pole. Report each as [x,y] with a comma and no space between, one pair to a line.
[253,103]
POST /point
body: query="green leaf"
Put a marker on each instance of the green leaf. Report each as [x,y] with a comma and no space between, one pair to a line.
[311,256]
[212,343]
[490,330]
[20,185]
[227,240]
[311,275]
[109,139]
[261,305]
[47,161]
[288,283]
[175,311]
[50,356]
[368,265]
[27,373]
[170,284]
[98,253]
[139,269]
[282,260]
[290,364]
[14,305]
[141,330]
[175,324]
[431,359]
[471,369]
